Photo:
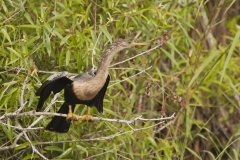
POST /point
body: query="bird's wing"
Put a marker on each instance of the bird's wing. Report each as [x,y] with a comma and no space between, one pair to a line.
[98,100]
[84,77]
[54,84]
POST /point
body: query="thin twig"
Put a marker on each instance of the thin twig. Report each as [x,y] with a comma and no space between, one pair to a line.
[120,81]
[125,68]
[12,16]
[22,103]
[33,147]
[94,51]
[8,70]
[94,156]
[20,128]
[9,147]
[37,120]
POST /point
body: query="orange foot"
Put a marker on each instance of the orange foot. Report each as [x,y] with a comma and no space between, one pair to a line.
[87,117]
[71,116]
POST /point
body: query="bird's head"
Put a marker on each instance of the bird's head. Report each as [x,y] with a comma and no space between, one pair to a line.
[122,44]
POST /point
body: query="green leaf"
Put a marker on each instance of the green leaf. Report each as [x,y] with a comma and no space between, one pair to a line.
[210,154]
[28,17]
[201,68]
[6,35]
[58,16]
[65,40]
[65,153]
[81,148]
[22,146]
[10,2]
[32,40]
[53,148]
[68,57]
[14,52]
[30,26]
[48,44]
[106,33]
[9,83]
[193,153]
[152,141]
[230,53]
[4,7]
[31,156]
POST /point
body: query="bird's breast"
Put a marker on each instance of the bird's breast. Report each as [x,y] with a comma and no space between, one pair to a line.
[86,90]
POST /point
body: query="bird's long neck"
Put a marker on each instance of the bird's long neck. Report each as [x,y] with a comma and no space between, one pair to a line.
[105,61]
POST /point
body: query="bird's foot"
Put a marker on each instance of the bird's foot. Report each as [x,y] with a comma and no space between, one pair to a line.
[87,117]
[72,116]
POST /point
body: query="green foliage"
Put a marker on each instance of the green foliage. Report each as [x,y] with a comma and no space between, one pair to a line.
[196,79]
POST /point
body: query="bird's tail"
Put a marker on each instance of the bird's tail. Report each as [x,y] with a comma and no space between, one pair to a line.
[60,124]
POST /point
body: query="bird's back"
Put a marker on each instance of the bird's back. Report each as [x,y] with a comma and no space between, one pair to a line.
[84,77]
[87,85]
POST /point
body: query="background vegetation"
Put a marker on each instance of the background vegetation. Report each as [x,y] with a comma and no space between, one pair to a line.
[195,75]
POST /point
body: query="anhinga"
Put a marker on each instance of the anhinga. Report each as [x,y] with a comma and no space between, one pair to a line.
[88,88]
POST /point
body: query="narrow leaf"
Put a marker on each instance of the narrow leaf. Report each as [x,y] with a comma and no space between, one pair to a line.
[106,33]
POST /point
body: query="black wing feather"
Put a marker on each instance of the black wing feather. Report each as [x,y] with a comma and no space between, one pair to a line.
[55,86]
[98,100]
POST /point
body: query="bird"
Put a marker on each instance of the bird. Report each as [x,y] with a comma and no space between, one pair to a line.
[88,88]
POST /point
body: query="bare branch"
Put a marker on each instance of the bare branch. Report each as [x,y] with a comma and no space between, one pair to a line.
[162,121]
[33,113]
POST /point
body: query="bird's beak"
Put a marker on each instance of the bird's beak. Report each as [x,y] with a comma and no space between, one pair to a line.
[133,44]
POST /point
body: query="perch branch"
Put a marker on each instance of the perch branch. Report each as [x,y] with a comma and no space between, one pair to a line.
[139,118]
[33,113]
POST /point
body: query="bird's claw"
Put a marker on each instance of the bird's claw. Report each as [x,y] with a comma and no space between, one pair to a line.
[87,117]
[71,116]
